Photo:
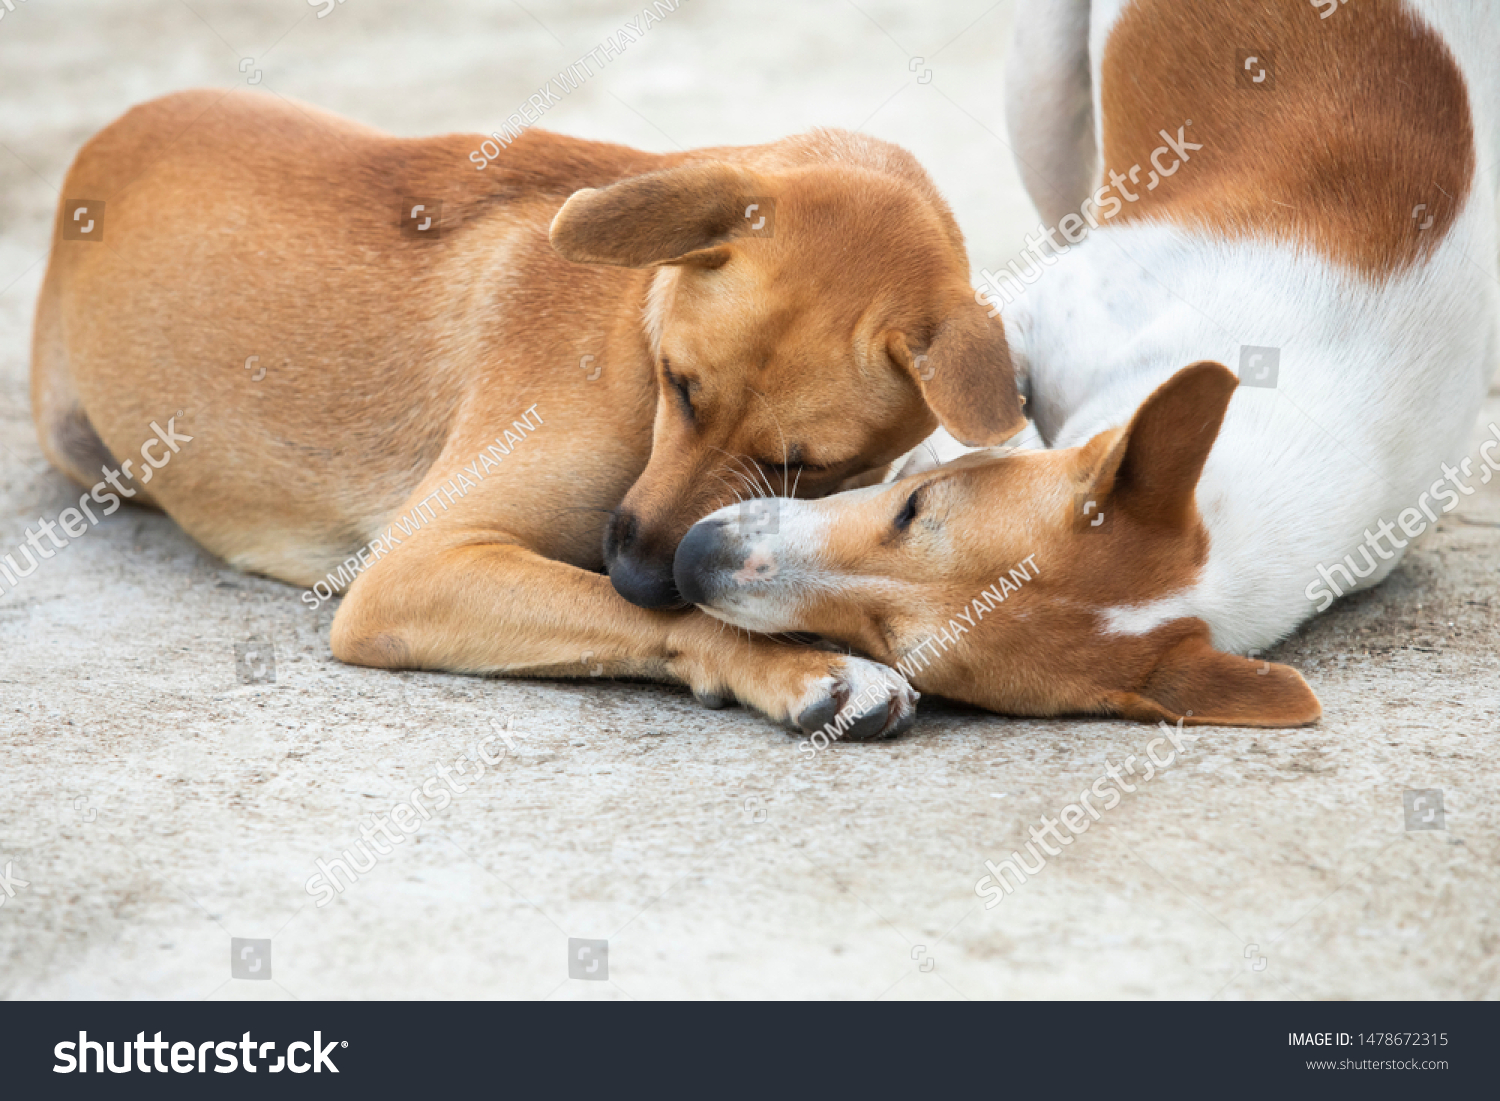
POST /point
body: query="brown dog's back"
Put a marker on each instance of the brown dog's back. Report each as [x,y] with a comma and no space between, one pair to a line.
[227,218]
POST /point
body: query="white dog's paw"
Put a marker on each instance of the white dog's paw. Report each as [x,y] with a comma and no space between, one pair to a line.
[861,701]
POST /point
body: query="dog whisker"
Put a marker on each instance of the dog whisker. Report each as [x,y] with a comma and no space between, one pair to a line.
[784,454]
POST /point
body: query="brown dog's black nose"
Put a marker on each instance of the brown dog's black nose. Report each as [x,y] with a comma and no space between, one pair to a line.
[643,578]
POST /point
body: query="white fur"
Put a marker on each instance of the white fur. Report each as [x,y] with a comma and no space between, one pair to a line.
[1379,385]
[1142,619]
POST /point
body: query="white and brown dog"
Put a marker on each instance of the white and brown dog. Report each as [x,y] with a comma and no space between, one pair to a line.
[1334,237]
[1305,189]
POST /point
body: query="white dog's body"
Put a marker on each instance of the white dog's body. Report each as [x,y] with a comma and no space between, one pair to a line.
[1380,379]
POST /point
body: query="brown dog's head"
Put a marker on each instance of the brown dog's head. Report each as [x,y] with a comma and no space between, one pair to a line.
[1016,581]
[810,323]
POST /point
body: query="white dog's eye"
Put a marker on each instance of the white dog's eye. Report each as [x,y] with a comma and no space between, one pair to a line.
[908,512]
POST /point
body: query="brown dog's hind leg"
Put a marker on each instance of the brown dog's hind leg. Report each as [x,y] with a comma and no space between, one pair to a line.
[66,434]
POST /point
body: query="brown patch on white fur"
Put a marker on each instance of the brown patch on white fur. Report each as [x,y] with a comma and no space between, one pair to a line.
[1366,119]
[1046,649]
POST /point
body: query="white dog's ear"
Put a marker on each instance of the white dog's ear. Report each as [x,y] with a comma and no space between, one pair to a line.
[1151,467]
[1200,686]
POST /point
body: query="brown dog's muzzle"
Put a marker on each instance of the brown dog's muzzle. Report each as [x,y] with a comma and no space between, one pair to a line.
[640,561]
[679,486]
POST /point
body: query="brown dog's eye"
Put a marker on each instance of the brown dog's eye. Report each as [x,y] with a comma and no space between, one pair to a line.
[682,387]
[793,462]
[792,468]
[908,512]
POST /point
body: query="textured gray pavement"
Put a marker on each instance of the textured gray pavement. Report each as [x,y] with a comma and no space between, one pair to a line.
[155,806]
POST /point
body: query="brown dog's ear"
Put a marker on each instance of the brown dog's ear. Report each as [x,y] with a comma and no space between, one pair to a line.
[1206,687]
[966,376]
[677,216]
[1152,469]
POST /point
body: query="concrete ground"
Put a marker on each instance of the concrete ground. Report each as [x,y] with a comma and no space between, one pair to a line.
[153,806]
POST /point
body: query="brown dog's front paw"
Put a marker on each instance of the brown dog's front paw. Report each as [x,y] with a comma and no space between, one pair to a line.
[836,695]
[712,700]
[861,701]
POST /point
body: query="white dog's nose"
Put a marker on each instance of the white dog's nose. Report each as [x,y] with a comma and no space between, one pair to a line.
[700,556]
[760,565]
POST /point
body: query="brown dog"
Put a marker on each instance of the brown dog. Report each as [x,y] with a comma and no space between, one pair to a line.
[984,580]
[793,315]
